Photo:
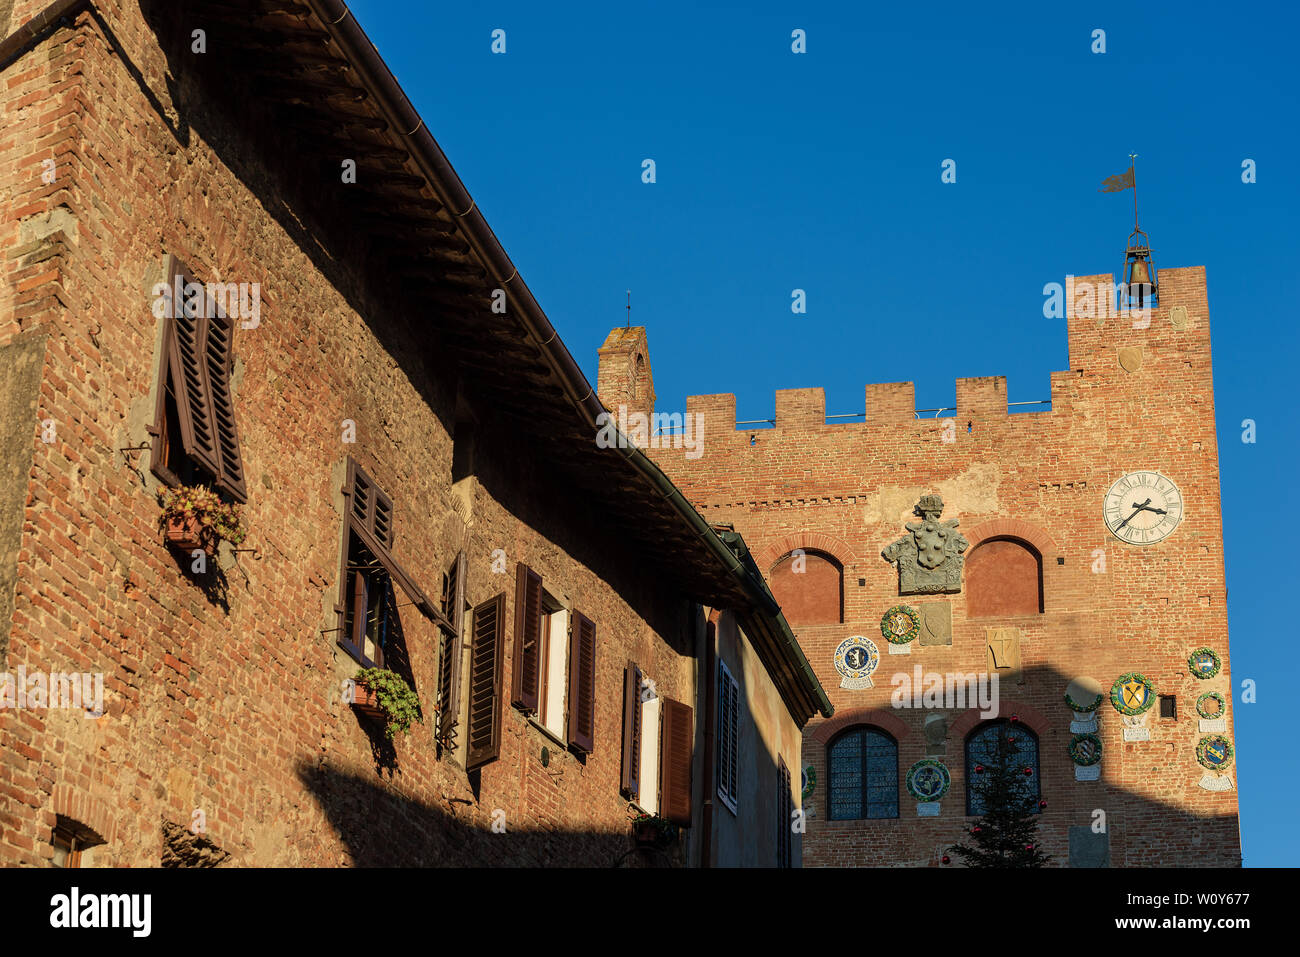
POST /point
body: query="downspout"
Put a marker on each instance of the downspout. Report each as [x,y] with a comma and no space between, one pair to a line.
[710,726]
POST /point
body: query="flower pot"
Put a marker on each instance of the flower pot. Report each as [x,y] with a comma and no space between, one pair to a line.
[365,701]
[646,834]
[183,532]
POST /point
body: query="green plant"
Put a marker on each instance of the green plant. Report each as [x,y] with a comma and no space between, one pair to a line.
[216,520]
[666,829]
[399,703]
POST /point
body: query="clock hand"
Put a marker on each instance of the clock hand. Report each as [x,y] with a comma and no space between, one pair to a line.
[1136,508]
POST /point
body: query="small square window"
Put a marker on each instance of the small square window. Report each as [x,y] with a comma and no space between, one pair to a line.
[1168,706]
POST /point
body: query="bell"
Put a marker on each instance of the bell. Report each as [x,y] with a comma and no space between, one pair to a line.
[1140,286]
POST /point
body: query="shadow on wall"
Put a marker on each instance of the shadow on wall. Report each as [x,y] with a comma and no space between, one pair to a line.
[382,829]
[1143,830]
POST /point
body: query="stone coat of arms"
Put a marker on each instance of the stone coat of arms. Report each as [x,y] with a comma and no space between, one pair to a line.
[929,559]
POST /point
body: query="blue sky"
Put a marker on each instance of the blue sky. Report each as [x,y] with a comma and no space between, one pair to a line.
[821,171]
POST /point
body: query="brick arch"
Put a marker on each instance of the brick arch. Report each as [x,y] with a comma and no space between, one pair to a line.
[1028,715]
[883,718]
[810,542]
[1013,528]
[81,807]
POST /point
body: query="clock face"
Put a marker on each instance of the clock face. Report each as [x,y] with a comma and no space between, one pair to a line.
[1143,508]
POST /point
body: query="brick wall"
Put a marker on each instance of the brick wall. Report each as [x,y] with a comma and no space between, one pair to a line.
[850,487]
[230,704]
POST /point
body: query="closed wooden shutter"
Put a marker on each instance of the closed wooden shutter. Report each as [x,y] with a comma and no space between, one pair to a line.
[219,356]
[189,379]
[582,683]
[630,779]
[528,638]
[486,661]
[675,751]
[733,738]
[785,813]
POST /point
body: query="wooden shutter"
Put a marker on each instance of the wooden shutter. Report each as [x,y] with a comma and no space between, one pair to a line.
[485,671]
[218,356]
[733,740]
[675,750]
[371,519]
[528,638]
[189,375]
[449,665]
[631,775]
[582,683]
[785,811]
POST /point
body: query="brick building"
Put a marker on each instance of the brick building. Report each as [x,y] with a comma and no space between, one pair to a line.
[1033,587]
[414,452]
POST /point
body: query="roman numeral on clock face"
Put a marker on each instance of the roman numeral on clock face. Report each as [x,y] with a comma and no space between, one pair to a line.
[1142,508]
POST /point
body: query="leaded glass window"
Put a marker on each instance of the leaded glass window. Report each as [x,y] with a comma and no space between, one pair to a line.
[863,772]
[982,749]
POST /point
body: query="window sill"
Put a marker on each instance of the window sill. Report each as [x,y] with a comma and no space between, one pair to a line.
[547,733]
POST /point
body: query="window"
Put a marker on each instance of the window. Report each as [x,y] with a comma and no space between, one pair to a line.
[988,745]
[72,842]
[449,653]
[809,586]
[369,627]
[863,772]
[1169,706]
[727,762]
[785,816]
[658,748]
[486,657]
[554,670]
[1004,577]
[195,439]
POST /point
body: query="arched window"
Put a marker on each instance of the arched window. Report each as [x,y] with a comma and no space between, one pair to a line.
[862,765]
[992,742]
[1004,576]
[809,587]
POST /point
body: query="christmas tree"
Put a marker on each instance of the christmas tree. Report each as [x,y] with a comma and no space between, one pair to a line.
[1007,833]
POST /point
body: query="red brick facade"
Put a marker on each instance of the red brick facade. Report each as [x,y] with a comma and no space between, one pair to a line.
[223,691]
[1134,398]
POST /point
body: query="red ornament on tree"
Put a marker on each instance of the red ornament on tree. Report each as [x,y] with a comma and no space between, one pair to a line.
[979,769]
[1015,718]
[1029,847]
[1042,804]
[1011,737]
[946,859]
[975,829]
[1028,771]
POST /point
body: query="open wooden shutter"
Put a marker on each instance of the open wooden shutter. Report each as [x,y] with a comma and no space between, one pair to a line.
[630,781]
[187,357]
[582,683]
[218,356]
[371,519]
[528,638]
[449,665]
[675,753]
[486,661]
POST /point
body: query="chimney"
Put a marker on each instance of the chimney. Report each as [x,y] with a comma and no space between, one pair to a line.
[624,376]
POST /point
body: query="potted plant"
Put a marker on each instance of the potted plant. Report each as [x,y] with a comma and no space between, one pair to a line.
[194,517]
[649,830]
[380,693]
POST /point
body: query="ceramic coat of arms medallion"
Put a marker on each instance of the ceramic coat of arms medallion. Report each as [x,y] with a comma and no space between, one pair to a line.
[1214,752]
[1132,694]
[929,558]
[1204,663]
[928,780]
[855,659]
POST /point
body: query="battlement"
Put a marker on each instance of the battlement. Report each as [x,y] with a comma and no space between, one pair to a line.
[1110,349]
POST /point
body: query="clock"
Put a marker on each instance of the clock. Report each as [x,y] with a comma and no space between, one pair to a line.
[1143,508]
